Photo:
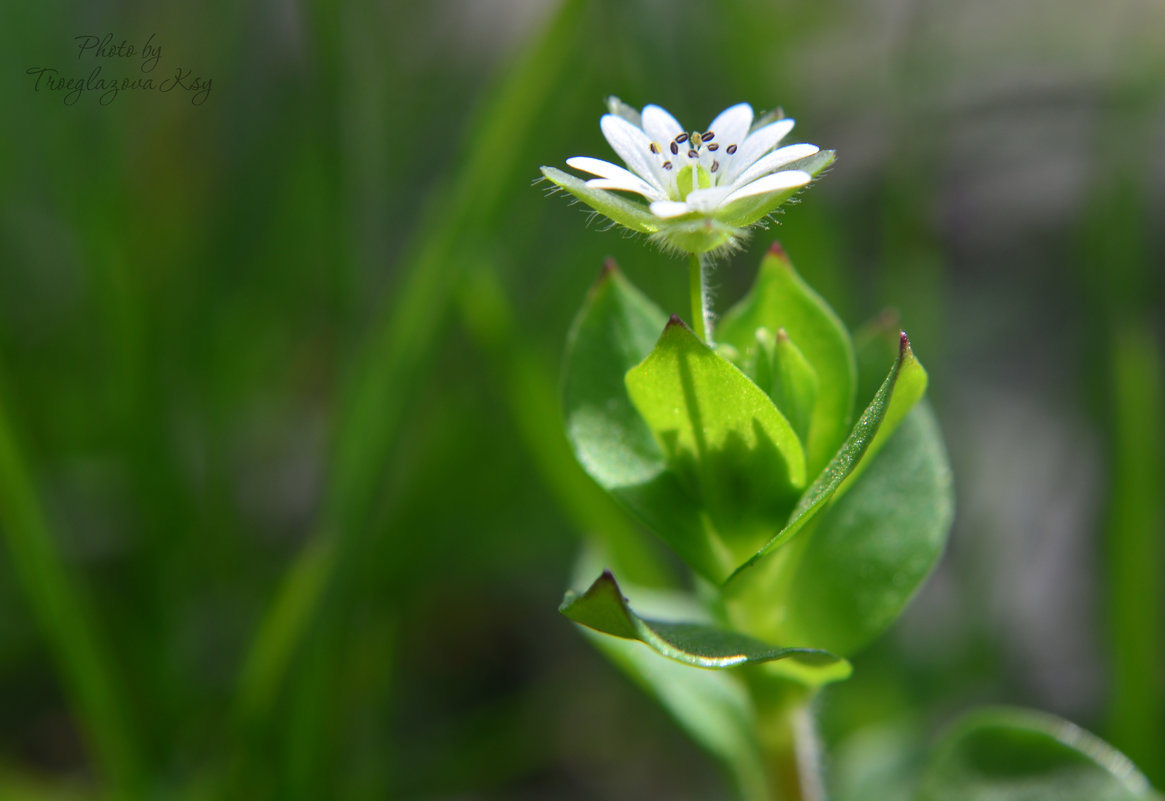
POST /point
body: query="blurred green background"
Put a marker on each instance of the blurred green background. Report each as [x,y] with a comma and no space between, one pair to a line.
[285,507]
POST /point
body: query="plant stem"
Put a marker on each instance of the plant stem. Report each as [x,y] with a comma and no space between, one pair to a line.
[787,738]
[698,287]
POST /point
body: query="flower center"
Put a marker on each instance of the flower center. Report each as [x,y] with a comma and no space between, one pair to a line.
[690,161]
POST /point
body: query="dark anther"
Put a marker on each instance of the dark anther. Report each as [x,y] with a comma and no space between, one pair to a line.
[667,165]
[731,149]
[713,146]
[675,149]
[708,136]
[682,138]
[715,166]
[655,148]
[692,154]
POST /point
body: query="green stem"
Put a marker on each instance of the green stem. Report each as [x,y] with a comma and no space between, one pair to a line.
[698,287]
[787,738]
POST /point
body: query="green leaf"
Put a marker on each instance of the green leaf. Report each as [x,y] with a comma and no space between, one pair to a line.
[635,216]
[1019,755]
[616,328]
[731,448]
[869,552]
[713,706]
[603,608]
[899,392]
[794,382]
[780,299]
[875,344]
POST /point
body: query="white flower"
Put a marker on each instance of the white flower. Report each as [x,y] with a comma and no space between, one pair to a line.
[702,188]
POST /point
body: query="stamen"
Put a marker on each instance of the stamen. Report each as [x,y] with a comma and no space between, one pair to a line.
[707,137]
[713,146]
[715,166]
[667,165]
[731,149]
[682,138]
[675,149]
[655,148]
[692,154]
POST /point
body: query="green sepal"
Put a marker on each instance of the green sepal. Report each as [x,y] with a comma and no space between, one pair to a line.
[697,233]
[779,298]
[603,608]
[723,438]
[747,211]
[615,329]
[1006,754]
[635,216]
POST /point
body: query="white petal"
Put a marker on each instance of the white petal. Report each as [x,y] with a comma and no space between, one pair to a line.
[633,147]
[774,161]
[638,186]
[759,142]
[708,199]
[659,125]
[669,208]
[731,125]
[776,182]
[615,175]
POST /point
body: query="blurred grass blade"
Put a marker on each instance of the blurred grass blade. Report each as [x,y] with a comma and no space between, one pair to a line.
[1135,548]
[531,391]
[394,355]
[57,601]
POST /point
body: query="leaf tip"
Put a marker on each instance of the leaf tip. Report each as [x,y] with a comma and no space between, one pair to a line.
[673,321]
[776,250]
[608,269]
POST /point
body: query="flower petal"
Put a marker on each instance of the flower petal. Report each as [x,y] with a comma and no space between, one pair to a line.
[773,161]
[775,182]
[759,142]
[621,109]
[731,125]
[708,199]
[633,147]
[616,177]
[642,188]
[670,208]
[659,125]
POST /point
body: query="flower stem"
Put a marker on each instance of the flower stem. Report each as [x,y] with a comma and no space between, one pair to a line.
[701,305]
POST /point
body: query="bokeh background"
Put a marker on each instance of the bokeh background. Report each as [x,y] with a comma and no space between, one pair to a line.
[285,506]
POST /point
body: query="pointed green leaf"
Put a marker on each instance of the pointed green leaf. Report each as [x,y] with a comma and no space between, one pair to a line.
[616,328]
[603,608]
[780,299]
[635,216]
[728,444]
[794,383]
[868,553]
[1020,755]
[713,706]
[875,345]
[899,392]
